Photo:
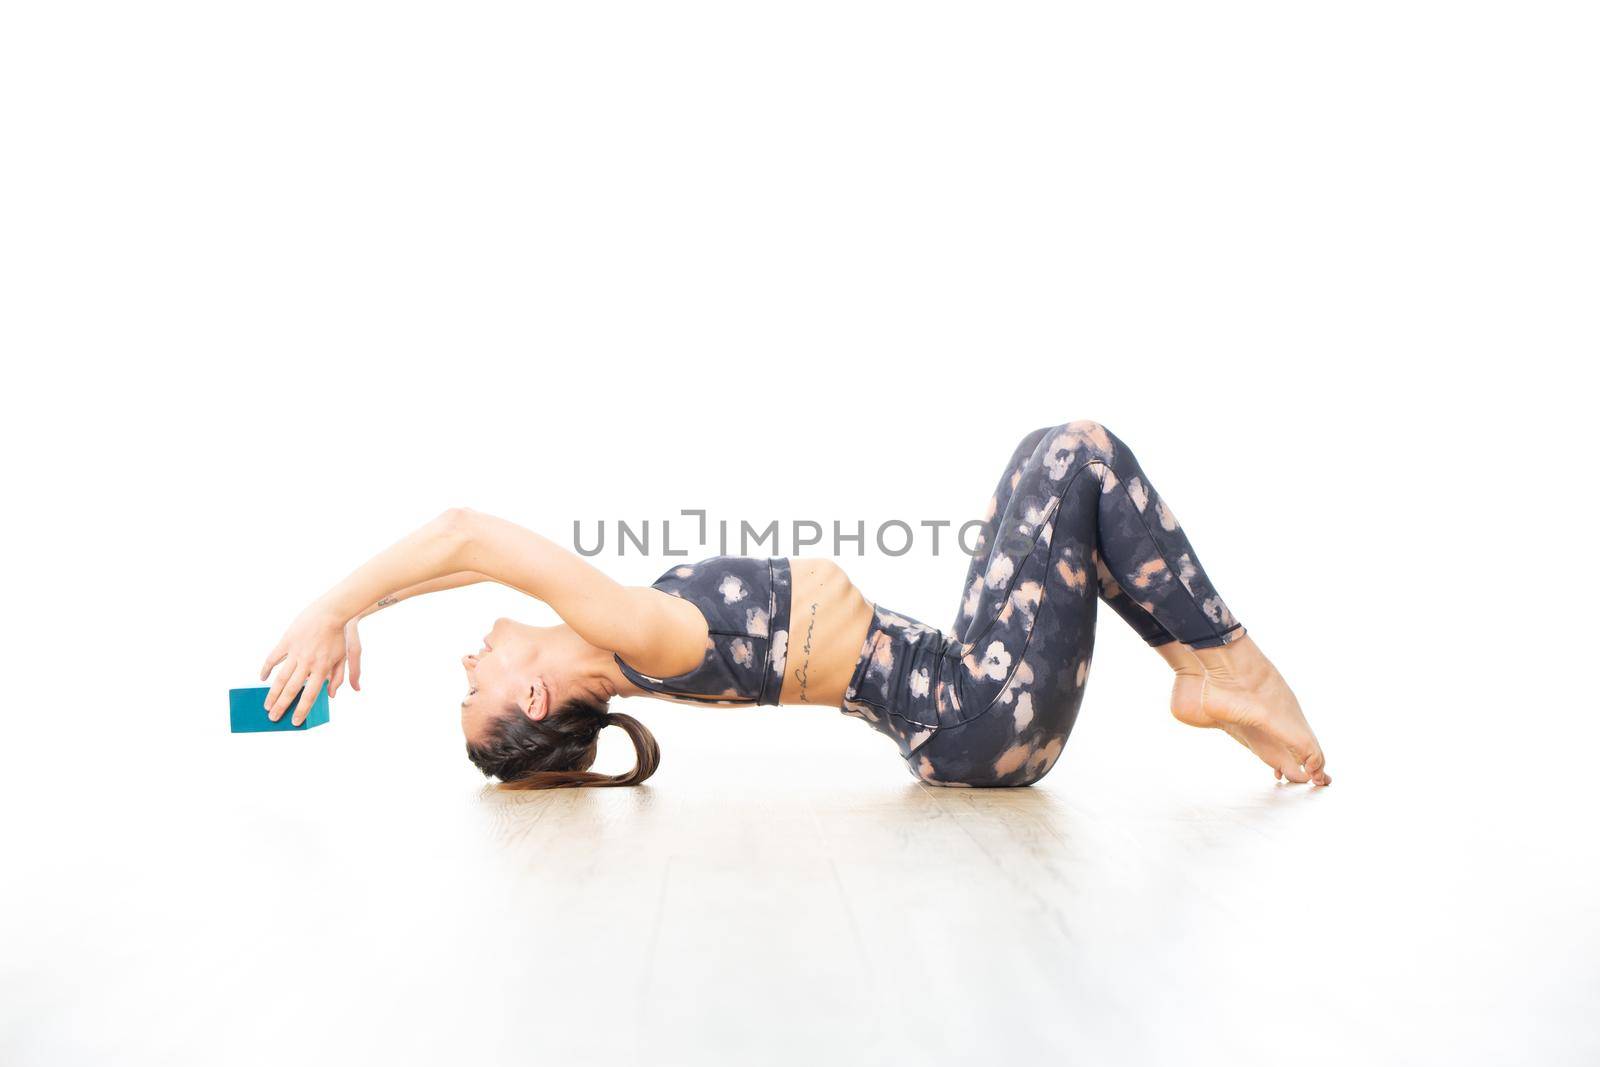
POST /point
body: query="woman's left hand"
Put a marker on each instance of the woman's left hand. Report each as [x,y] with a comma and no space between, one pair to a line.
[311,651]
[352,659]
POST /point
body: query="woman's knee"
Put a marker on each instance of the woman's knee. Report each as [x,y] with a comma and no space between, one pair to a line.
[1094,434]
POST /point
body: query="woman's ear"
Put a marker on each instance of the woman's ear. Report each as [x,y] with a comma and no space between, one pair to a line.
[536,705]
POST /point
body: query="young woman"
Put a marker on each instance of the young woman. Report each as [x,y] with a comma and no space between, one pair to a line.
[990,703]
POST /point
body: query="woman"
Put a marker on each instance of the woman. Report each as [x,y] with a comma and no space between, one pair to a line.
[989,704]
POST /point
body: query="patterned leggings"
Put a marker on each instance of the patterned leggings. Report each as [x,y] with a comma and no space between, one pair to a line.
[991,704]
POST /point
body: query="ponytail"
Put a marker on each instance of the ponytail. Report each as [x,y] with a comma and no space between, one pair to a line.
[579,753]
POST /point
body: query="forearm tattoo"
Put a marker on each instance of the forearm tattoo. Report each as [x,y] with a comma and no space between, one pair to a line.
[386,601]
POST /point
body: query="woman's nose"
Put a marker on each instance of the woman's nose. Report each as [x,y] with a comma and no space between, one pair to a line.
[470,662]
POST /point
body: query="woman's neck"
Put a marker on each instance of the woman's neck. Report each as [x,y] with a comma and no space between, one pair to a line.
[599,678]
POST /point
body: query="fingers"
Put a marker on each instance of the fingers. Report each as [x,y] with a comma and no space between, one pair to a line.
[285,689]
[308,697]
[279,683]
[336,681]
[355,666]
[274,658]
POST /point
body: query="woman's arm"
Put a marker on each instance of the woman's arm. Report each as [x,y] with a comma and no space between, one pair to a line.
[619,618]
[352,632]
[615,617]
[436,585]
[314,648]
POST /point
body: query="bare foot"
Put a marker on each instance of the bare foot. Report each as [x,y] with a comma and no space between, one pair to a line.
[1236,689]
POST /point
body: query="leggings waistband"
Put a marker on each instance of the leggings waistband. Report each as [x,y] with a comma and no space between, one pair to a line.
[903,683]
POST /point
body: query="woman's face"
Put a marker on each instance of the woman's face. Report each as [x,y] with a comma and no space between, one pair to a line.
[508,671]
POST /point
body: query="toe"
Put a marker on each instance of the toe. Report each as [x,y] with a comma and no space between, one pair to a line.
[1304,761]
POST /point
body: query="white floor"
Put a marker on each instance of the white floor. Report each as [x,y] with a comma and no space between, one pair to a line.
[783,892]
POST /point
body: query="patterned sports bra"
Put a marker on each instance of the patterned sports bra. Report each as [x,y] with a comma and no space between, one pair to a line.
[746,607]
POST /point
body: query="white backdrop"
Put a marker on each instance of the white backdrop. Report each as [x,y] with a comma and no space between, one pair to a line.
[282,281]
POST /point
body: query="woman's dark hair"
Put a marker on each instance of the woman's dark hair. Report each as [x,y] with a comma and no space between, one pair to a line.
[556,751]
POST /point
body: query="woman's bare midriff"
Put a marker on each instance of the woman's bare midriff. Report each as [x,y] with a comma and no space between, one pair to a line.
[828,620]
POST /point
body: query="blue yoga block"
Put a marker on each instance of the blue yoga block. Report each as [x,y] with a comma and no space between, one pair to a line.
[247,716]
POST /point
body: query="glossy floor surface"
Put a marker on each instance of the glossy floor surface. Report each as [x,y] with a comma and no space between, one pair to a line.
[783,892]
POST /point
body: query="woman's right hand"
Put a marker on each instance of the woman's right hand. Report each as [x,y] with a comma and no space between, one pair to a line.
[307,655]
